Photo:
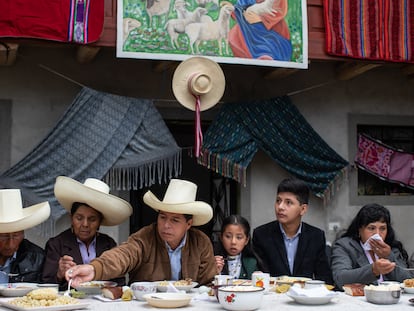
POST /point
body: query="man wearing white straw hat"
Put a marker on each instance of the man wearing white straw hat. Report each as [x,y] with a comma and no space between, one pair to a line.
[170,249]
[20,259]
[90,205]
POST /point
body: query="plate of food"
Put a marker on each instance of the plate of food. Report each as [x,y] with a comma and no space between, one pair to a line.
[408,286]
[185,285]
[16,289]
[285,279]
[43,299]
[94,287]
[306,300]
[168,300]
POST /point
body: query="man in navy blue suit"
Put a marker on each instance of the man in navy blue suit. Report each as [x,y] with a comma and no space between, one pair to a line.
[288,246]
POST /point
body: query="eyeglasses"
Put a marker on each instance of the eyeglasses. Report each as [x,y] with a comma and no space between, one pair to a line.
[11,236]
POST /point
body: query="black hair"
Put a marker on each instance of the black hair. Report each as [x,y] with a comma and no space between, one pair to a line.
[370,213]
[296,186]
[76,205]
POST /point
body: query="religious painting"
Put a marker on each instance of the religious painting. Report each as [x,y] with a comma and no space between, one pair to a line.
[251,32]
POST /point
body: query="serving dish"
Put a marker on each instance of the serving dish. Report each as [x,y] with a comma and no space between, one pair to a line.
[406,289]
[290,280]
[305,300]
[94,287]
[168,300]
[16,289]
[162,286]
[383,294]
[50,308]
[240,298]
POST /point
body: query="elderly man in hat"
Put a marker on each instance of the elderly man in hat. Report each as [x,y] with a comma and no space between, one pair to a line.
[170,249]
[20,259]
[90,205]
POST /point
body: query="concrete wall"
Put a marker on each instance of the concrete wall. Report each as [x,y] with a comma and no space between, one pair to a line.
[43,82]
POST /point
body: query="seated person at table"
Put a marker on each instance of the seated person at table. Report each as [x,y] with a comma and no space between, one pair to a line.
[170,249]
[288,246]
[368,252]
[90,206]
[20,259]
[234,254]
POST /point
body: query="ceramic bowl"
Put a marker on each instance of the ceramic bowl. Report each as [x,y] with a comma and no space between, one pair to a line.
[16,289]
[142,288]
[383,294]
[243,298]
[168,300]
[94,287]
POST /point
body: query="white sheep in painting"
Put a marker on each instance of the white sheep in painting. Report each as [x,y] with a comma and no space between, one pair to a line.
[265,7]
[176,26]
[211,30]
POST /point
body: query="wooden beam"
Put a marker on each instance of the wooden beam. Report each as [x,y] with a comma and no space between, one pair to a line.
[8,53]
[86,54]
[348,71]
[279,73]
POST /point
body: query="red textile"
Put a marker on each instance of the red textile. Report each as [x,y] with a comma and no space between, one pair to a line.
[78,21]
[370,29]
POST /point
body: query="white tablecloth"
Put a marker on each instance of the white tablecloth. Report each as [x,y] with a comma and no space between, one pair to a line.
[270,301]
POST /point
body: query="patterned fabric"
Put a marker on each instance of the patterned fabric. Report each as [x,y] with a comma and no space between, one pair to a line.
[123,140]
[79,21]
[279,129]
[385,162]
[366,29]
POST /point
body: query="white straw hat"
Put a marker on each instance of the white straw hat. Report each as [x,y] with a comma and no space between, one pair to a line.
[180,199]
[94,193]
[13,217]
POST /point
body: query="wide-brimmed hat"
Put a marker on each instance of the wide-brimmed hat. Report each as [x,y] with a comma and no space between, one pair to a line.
[94,193]
[198,76]
[13,217]
[180,199]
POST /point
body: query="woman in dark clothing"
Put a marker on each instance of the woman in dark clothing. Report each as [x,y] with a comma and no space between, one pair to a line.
[234,254]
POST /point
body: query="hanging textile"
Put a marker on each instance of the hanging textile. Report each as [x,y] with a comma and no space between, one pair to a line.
[373,30]
[123,140]
[79,21]
[385,162]
[278,128]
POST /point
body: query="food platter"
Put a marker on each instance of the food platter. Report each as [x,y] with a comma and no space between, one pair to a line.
[305,300]
[162,286]
[94,287]
[290,279]
[16,289]
[168,300]
[50,308]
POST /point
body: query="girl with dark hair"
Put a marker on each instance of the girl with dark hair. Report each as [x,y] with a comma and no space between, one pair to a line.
[368,251]
[234,254]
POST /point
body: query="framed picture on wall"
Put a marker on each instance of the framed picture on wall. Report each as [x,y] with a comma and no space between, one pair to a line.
[251,32]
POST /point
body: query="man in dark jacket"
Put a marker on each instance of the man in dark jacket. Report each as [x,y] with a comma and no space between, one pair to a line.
[20,259]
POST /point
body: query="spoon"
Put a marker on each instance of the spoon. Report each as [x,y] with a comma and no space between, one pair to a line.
[67,292]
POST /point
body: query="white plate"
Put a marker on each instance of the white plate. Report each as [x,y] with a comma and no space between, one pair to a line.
[304,300]
[16,289]
[408,290]
[51,308]
[94,287]
[163,288]
[284,279]
[168,300]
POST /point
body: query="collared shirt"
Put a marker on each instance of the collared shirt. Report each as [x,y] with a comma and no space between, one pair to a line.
[234,266]
[87,253]
[291,245]
[5,270]
[175,259]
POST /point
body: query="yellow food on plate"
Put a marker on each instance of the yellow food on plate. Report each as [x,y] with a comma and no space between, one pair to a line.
[329,287]
[185,282]
[43,293]
[409,282]
[127,294]
[282,288]
[44,297]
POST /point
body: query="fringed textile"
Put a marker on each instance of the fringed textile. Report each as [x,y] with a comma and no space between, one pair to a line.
[385,162]
[374,30]
[119,139]
[279,129]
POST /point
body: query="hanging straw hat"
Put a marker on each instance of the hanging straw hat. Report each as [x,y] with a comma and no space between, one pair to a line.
[94,193]
[198,76]
[180,199]
[13,217]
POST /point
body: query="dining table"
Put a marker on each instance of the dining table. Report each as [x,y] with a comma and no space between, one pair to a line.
[270,301]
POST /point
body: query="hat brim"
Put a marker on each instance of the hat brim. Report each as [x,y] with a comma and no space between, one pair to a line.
[32,216]
[201,211]
[114,209]
[198,65]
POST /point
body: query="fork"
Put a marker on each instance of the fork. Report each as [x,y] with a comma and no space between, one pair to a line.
[67,292]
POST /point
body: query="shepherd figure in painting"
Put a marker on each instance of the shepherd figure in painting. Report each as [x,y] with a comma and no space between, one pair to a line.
[261,31]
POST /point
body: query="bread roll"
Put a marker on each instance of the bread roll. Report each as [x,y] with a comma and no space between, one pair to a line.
[354,289]
[112,292]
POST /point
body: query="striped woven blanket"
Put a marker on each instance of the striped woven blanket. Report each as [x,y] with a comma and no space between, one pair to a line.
[373,30]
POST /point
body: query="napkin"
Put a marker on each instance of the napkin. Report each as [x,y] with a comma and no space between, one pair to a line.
[366,246]
[321,291]
[172,289]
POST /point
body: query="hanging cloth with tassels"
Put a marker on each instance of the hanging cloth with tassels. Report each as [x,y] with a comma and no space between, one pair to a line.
[122,140]
[278,128]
